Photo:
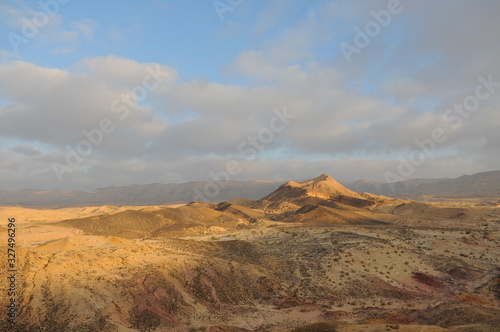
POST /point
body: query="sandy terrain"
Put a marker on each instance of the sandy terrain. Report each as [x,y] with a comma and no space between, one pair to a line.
[306,254]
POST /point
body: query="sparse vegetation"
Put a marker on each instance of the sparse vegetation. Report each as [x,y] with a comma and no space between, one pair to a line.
[317,327]
[293,267]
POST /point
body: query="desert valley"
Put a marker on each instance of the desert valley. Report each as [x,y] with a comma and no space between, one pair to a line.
[244,166]
[309,256]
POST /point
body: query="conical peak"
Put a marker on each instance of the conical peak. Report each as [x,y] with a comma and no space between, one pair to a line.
[321,178]
[327,185]
[307,183]
[324,177]
[323,186]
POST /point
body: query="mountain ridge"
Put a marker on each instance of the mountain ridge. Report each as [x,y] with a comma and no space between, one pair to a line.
[168,268]
[484,184]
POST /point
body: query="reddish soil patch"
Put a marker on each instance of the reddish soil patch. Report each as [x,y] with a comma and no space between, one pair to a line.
[427,280]
[225,328]
[335,315]
[291,303]
[472,299]
[463,273]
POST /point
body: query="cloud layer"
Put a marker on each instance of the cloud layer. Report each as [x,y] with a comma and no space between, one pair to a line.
[352,120]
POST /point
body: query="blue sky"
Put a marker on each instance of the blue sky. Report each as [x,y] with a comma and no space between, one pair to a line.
[226,68]
[188,35]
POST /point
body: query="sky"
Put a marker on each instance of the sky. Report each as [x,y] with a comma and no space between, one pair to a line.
[97,93]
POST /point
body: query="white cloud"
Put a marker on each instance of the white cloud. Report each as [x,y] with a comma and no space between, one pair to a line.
[47,26]
[85,27]
[270,15]
[358,118]
[54,106]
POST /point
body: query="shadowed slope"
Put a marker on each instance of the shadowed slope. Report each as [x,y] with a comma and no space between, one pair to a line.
[321,200]
[190,219]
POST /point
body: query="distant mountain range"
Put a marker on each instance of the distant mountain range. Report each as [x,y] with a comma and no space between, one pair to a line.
[486,184]
[148,194]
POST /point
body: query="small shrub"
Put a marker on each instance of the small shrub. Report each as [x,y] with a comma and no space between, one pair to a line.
[317,327]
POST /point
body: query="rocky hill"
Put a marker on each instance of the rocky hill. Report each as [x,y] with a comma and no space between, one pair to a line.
[310,256]
[481,185]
